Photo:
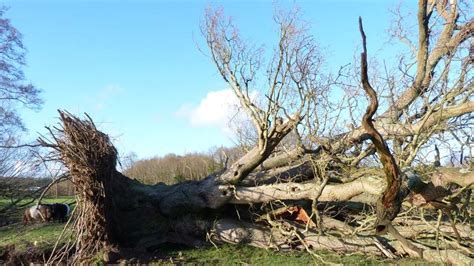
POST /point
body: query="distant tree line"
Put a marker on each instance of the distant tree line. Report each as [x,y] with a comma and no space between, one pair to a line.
[13,187]
[172,168]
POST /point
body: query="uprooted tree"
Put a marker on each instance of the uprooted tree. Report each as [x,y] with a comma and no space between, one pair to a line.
[320,191]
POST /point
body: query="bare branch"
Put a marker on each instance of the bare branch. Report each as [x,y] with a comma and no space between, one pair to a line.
[389,204]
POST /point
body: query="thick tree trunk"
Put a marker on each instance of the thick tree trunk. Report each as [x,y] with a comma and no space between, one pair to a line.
[162,202]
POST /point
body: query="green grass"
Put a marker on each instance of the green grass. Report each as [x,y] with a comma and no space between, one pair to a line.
[40,235]
[241,254]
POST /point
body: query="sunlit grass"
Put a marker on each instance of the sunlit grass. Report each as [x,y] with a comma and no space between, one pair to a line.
[247,255]
[41,235]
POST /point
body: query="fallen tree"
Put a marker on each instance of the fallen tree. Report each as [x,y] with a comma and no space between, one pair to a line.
[326,199]
[184,213]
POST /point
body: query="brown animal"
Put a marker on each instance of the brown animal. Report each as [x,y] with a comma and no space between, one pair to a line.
[42,212]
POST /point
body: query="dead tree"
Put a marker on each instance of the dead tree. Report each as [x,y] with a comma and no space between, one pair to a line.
[115,212]
[106,220]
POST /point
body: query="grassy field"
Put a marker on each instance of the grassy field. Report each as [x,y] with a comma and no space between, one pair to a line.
[42,237]
[39,235]
[17,214]
[36,238]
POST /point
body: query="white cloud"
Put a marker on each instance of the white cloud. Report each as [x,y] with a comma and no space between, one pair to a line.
[217,108]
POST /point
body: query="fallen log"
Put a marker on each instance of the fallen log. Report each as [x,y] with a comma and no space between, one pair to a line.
[108,204]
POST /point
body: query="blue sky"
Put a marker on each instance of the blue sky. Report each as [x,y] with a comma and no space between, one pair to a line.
[134,66]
